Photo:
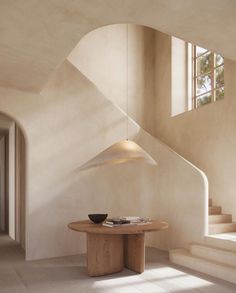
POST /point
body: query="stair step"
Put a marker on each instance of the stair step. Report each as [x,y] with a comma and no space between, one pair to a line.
[222,218]
[223,256]
[214,210]
[221,228]
[223,241]
[210,202]
[213,268]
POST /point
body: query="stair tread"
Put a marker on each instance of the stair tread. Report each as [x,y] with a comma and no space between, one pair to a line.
[214,207]
[219,218]
[217,215]
[185,252]
[223,224]
[222,240]
[227,251]
[211,267]
[217,228]
[230,236]
[214,210]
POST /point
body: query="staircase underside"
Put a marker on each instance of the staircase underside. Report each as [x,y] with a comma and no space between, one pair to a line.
[43,33]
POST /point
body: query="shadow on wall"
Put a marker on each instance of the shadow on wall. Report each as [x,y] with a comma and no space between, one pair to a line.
[109,55]
[61,194]
[71,133]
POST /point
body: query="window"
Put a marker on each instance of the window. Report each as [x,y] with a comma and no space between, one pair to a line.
[208,76]
[197,76]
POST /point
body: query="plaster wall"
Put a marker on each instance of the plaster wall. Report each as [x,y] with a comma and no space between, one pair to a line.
[28,45]
[146,187]
[5,123]
[37,36]
[69,123]
[119,60]
[100,50]
[91,124]
[205,136]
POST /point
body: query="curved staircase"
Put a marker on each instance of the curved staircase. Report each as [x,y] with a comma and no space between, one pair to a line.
[219,222]
[220,263]
[217,255]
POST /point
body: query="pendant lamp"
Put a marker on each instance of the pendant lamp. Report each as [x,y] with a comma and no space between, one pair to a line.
[122,151]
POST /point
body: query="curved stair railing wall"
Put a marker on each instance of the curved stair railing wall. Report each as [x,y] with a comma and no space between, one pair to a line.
[179,190]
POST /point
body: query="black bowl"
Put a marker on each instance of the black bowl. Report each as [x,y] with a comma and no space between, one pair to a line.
[97,218]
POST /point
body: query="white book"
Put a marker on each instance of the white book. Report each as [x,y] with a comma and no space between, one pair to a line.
[117,225]
[136,219]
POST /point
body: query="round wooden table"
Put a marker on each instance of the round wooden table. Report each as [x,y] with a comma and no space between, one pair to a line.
[110,249]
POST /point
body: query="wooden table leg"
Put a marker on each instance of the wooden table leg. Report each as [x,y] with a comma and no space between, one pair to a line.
[105,254]
[134,254]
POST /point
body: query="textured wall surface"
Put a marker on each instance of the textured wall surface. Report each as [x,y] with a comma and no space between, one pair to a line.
[205,136]
[115,57]
[66,125]
[37,36]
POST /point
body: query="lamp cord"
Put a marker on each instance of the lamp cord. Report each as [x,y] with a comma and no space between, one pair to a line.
[127,81]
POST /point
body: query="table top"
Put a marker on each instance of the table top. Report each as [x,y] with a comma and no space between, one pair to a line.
[89,227]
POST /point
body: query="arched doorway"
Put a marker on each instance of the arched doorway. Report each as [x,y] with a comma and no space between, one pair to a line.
[12,180]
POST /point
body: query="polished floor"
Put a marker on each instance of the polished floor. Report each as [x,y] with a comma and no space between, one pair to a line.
[68,275]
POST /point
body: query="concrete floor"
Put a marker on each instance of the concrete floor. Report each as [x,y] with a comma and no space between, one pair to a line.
[68,275]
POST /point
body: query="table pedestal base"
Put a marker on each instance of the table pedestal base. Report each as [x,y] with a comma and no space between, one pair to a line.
[134,252]
[108,254]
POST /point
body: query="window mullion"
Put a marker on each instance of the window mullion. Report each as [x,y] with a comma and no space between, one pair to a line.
[200,78]
[194,78]
[213,81]
[205,53]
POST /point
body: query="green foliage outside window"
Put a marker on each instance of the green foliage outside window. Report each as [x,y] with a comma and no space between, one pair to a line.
[208,76]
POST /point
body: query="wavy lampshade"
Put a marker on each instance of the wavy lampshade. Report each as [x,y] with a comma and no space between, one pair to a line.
[120,152]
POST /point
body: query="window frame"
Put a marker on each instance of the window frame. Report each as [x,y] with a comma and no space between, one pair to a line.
[195,76]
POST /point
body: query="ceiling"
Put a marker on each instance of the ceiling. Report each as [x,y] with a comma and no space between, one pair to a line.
[37,36]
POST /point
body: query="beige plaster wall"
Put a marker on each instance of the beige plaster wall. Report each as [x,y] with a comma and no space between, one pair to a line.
[55,123]
[88,123]
[83,123]
[95,56]
[110,55]
[37,36]
[5,123]
[66,125]
[205,136]
[69,123]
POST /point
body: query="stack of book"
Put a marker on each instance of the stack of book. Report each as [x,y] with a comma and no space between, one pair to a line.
[125,221]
